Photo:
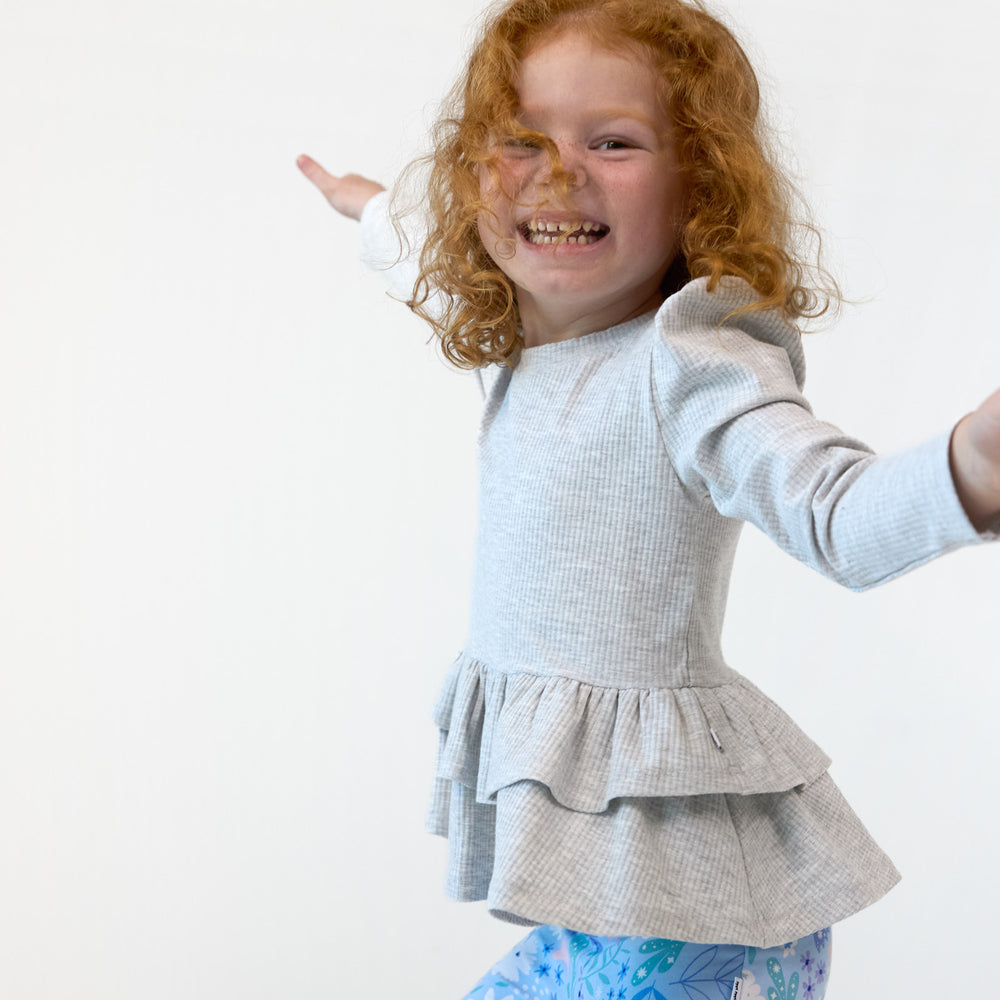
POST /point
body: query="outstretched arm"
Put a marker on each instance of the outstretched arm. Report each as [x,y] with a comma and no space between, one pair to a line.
[975,461]
[741,435]
[348,194]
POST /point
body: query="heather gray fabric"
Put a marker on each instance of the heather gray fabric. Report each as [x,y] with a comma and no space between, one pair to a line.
[600,765]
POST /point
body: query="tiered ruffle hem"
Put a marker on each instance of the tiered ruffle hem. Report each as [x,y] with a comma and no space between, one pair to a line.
[627,811]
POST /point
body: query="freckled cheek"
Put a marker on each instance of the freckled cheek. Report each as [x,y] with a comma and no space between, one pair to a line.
[673,202]
[496,236]
[486,224]
[495,197]
[499,195]
[505,186]
[676,195]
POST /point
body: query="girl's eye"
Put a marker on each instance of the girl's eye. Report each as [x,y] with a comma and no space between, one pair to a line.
[520,144]
[614,144]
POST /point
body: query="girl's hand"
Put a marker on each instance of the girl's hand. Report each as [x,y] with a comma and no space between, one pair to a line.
[975,461]
[348,194]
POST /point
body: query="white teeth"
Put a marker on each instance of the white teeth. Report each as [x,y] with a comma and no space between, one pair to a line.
[561,227]
[540,232]
[549,238]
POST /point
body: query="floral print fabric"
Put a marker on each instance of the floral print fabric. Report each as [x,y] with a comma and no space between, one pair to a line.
[555,963]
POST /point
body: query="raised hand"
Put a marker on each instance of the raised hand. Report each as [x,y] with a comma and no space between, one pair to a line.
[348,194]
[975,461]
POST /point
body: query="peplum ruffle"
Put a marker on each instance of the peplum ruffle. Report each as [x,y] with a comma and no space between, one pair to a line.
[590,745]
[614,812]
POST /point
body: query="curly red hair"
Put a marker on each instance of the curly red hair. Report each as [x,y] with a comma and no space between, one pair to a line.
[741,221]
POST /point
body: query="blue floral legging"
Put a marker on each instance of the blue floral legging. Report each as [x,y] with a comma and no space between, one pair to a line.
[554,963]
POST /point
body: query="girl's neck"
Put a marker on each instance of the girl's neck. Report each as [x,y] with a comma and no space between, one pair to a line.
[545,325]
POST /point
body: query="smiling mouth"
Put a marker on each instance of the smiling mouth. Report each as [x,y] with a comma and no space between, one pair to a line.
[540,231]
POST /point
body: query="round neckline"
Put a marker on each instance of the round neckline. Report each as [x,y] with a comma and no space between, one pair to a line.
[584,344]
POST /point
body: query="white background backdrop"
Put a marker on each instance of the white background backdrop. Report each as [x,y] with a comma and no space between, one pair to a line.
[237,499]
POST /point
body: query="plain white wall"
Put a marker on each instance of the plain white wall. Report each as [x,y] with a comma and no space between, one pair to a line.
[238,498]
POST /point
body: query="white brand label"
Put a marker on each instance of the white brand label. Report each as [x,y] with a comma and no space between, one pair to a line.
[737,989]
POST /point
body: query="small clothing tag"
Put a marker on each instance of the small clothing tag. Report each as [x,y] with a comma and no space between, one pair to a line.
[737,989]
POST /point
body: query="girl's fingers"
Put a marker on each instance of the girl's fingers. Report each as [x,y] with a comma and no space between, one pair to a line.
[326,182]
[348,194]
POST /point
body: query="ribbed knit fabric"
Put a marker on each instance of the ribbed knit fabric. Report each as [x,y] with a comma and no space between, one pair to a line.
[600,766]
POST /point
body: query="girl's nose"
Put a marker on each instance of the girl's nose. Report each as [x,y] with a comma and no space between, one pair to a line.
[570,170]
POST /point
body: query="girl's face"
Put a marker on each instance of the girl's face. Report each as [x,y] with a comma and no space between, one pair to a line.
[626,200]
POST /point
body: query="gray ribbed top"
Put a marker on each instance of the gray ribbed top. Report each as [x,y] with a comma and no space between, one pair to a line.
[616,470]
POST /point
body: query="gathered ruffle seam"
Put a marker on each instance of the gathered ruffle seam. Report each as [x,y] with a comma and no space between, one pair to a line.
[499,727]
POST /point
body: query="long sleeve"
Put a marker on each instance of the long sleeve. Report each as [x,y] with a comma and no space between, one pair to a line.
[741,435]
[383,251]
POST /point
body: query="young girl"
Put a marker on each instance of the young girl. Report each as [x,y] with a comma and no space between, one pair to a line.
[609,248]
